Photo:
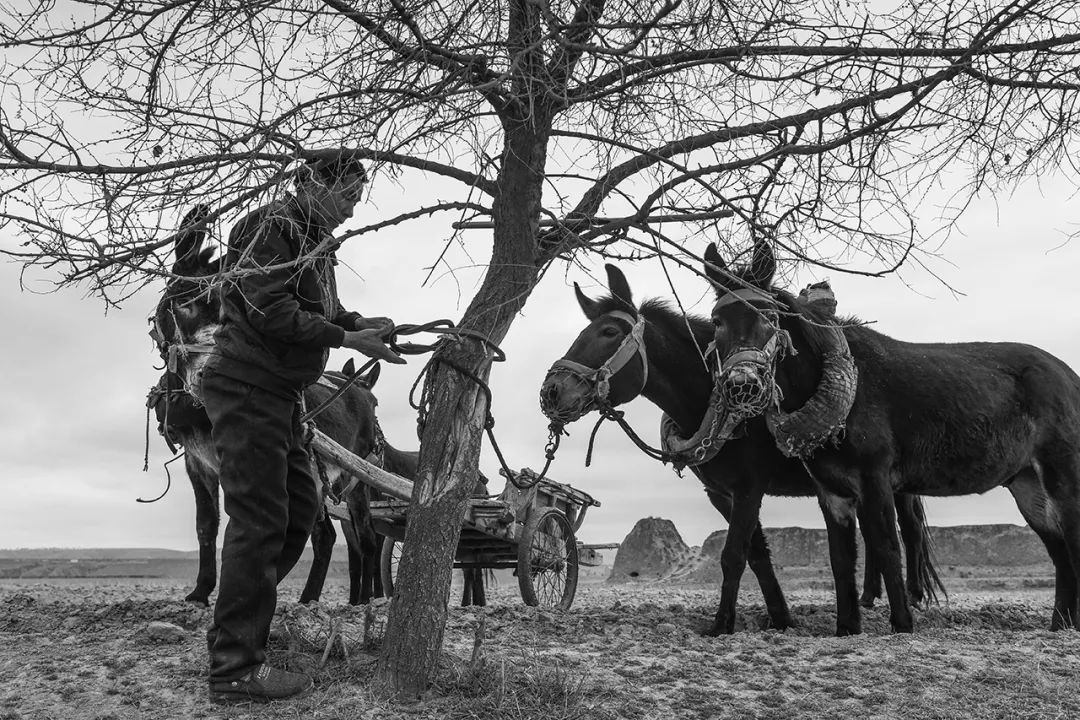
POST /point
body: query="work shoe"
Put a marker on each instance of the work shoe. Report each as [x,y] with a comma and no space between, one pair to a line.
[263,684]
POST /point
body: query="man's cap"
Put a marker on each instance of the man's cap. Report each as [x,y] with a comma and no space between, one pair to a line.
[335,162]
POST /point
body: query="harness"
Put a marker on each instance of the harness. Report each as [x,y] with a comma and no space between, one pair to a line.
[599,379]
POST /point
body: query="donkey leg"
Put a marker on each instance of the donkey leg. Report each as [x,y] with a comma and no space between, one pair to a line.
[871,575]
[370,580]
[358,561]
[1034,504]
[467,593]
[1061,477]
[910,516]
[745,516]
[322,545]
[207,520]
[839,513]
[374,561]
[479,593]
[760,560]
[878,514]
[357,568]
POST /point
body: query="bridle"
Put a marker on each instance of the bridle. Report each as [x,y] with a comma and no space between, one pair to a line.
[599,379]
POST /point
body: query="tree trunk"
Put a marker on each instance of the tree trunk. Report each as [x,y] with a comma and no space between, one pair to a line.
[450,443]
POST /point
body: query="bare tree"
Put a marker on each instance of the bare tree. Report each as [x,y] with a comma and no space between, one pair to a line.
[568,126]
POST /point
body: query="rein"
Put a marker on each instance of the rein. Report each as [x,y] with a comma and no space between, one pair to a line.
[339,390]
[717,426]
[446,327]
[695,452]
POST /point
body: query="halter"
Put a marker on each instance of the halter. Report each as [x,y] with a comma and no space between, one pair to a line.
[746,295]
[600,378]
[179,349]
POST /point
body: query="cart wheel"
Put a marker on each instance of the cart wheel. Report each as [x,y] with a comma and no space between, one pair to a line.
[548,560]
[388,562]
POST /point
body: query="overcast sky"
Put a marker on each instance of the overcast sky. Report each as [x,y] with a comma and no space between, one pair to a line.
[74,378]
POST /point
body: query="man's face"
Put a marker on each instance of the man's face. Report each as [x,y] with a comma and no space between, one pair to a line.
[331,202]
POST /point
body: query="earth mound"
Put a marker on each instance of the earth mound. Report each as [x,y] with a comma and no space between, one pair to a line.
[652,550]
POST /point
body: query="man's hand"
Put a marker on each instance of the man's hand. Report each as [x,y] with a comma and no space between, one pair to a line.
[370,343]
[384,325]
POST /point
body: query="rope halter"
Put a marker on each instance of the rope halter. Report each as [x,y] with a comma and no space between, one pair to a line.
[598,380]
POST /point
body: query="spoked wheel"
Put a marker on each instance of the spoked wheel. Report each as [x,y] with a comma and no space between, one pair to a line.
[388,562]
[548,560]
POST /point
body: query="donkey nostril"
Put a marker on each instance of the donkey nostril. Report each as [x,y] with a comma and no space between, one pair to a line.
[549,394]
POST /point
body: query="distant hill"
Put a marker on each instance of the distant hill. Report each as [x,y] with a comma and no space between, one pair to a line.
[97,554]
[647,553]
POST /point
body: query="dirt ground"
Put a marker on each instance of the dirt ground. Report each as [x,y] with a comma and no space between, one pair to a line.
[97,649]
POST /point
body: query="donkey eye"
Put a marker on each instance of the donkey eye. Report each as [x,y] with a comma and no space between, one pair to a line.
[609,332]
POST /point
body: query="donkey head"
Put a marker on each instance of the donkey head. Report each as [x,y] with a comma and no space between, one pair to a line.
[745,329]
[187,315]
[606,364]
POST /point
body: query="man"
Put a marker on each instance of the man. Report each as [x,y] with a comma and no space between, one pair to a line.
[280,319]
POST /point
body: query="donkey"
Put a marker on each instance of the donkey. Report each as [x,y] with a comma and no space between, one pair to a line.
[184,323]
[671,373]
[928,418]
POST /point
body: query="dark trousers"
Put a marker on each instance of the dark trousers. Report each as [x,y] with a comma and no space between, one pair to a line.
[272,502]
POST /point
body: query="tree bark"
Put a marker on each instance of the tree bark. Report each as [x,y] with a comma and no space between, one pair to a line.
[453,429]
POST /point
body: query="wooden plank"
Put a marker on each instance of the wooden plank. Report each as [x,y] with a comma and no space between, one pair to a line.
[338,511]
[369,474]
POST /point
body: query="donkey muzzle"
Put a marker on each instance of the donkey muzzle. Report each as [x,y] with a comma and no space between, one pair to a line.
[565,397]
[745,382]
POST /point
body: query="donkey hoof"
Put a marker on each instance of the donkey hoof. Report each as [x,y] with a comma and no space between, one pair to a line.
[783,623]
[847,631]
[200,600]
[867,602]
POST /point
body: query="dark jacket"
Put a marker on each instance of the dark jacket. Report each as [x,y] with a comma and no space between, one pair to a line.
[278,325]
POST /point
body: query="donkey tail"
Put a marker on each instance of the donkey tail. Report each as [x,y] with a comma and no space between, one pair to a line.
[925,570]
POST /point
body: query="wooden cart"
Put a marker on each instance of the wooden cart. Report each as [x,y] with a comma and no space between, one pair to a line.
[532,531]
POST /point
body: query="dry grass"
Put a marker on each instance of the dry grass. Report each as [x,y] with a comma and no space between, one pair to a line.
[623,652]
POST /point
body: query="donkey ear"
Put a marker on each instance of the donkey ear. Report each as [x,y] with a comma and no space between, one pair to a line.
[762,265]
[189,240]
[372,376]
[349,367]
[715,267]
[588,306]
[620,288]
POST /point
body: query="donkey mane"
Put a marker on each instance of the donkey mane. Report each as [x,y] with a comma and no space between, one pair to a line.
[672,323]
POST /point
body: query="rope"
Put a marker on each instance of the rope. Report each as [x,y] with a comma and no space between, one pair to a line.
[349,381]
[555,430]
[609,413]
[442,327]
[146,447]
[168,481]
